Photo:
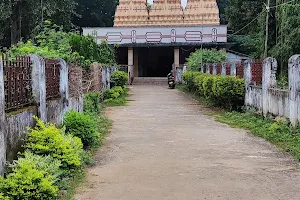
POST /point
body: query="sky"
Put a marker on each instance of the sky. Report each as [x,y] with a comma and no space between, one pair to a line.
[183,2]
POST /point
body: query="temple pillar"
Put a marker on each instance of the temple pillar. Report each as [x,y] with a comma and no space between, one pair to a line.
[136,63]
[130,64]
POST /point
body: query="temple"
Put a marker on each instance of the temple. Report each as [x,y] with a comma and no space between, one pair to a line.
[153,39]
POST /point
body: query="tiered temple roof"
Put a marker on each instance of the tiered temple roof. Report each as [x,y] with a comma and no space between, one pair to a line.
[132,13]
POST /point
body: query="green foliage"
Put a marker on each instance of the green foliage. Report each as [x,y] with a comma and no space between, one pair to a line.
[33,177]
[205,56]
[91,103]
[278,132]
[82,126]
[288,20]
[52,42]
[46,139]
[224,91]
[115,96]
[2,197]
[119,78]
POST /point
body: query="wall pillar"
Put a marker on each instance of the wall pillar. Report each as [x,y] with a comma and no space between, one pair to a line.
[2,122]
[294,87]
[202,68]
[214,69]
[233,69]
[39,85]
[64,87]
[130,64]
[223,71]
[268,81]
[136,63]
[248,80]
[207,68]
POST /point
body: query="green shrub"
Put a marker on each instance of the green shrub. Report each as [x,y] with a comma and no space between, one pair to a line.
[224,91]
[46,139]
[32,177]
[114,93]
[82,126]
[2,197]
[119,78]
[91,103]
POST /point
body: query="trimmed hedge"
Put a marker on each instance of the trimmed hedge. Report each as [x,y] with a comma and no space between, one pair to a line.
[223,91]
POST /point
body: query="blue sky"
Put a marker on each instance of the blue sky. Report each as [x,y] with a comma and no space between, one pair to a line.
[183,2]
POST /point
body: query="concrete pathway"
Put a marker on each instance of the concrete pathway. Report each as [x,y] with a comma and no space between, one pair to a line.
[163,147]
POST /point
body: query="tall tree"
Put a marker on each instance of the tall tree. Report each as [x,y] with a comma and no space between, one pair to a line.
[20,17]
[95,13]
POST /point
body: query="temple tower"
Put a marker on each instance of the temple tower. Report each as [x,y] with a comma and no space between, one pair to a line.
[136,13]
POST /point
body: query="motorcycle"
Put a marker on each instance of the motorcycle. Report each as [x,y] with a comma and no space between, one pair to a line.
[171,82]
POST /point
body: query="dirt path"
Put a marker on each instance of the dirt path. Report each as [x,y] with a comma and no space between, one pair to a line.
[162,147]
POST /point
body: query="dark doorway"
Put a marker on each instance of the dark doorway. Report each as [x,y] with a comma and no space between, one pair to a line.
[155,61]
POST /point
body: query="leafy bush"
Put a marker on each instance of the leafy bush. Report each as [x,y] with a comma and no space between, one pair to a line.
[119,78]
[206,56]
[113,93]
[82,126]
[91,103]
[224,91]
[32,177]
[46,139]
[2,197]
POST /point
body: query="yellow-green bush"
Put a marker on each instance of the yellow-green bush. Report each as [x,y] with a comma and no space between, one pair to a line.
[224,91]
[33,177]
[46,139]
[2,197]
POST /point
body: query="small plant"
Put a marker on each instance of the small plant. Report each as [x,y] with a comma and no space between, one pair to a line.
[82,126]
[119,78]
[46,139]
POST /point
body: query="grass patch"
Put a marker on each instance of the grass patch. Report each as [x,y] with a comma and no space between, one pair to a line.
[120,101]
[74,182]
[277,132]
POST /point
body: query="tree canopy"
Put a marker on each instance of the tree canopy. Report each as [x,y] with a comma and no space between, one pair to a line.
[21,19]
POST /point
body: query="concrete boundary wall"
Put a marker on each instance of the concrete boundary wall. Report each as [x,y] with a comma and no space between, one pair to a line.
[270,100]
[13,125]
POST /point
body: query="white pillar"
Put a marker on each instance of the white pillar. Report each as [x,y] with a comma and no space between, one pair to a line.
[214,69]
[2,122]
[294,86]
[223,72]
[269,80]
[233,69]
[39,85]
